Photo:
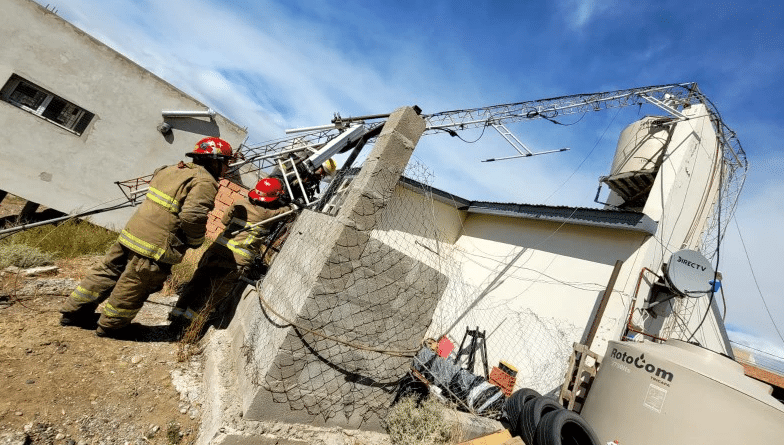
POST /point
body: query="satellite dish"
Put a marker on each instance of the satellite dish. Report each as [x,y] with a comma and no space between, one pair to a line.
[690,273]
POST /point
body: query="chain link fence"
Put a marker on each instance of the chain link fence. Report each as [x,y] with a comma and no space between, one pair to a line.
[349,337]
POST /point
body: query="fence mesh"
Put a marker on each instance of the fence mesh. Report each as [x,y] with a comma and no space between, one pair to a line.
[355,328]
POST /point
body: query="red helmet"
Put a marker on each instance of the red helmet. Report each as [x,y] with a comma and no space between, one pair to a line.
[212,147]
[267,190]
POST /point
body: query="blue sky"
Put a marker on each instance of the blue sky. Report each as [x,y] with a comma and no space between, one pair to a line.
[272,65]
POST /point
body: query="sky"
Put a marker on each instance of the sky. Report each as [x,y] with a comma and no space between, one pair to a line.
[274,65]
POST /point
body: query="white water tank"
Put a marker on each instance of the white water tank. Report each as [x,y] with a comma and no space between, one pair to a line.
[678,393]
[640,145]
[637,156]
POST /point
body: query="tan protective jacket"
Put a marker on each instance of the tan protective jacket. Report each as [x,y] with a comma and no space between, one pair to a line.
[246,244]
[173,217]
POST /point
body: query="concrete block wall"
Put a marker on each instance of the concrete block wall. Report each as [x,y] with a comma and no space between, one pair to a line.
[381,298]
[307,343]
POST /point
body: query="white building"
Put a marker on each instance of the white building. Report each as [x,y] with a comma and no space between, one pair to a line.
[78,116]
[533,277]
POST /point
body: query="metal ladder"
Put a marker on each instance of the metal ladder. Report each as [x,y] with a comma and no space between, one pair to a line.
[288,168]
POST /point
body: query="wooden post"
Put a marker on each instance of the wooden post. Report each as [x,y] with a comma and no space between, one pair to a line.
[603,304]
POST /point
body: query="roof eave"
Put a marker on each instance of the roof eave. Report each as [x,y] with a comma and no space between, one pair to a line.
[635,222]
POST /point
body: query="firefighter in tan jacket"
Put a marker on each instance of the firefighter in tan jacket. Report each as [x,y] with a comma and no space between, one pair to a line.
[222,264]
[171,219]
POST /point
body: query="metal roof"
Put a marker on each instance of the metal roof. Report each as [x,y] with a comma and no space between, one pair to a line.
[607,218]
[612,219]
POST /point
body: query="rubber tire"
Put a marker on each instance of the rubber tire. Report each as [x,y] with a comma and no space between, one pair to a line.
[514,406]
[532,414]
[564,427]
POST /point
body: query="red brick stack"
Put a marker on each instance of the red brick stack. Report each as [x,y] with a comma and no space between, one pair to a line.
[504,376]
[227,194]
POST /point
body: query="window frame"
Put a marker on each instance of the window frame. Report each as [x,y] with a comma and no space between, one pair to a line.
[75,125]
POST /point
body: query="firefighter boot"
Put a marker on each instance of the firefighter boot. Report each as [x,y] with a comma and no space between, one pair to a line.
[85,318]
[123,333]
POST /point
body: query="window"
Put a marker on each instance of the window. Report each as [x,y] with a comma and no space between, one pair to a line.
[34,99]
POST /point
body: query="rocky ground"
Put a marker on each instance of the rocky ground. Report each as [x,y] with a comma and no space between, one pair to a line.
[64,385]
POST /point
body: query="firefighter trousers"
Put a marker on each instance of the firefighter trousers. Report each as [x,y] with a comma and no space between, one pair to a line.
[212,283]
[124,280]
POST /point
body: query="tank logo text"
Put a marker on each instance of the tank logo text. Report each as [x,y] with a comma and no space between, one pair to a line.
[640,363]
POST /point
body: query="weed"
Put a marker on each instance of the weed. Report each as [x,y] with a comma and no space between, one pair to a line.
[188,344]
[182,272]
[410,424]
[173,433]
[20,255]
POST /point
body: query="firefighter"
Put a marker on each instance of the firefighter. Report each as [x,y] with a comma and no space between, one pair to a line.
[171,219]
[223,263]
[311,182]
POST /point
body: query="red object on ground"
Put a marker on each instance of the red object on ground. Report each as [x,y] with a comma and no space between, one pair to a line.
[445,347]
[502,380]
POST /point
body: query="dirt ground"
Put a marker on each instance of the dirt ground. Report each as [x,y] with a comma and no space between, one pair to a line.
[64,385]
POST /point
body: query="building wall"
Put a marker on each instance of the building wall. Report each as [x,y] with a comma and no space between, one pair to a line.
[420,226]
[44,163]
[533,287]
[227,194]
[330,330]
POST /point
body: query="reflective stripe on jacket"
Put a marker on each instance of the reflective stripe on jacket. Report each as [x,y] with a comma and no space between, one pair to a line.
[241,248]
[174,215]
[240,245]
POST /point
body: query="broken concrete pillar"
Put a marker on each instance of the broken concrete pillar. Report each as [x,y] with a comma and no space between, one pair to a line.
[381,170]
[325,338]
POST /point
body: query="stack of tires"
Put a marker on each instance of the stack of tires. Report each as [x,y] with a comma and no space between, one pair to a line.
[540,420]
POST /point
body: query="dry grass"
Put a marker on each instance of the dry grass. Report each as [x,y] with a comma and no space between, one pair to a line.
[409,424]
[70,239]
[21,255]
[189,342]
[182,272]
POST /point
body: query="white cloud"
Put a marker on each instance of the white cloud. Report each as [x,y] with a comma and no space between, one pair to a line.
[758,213]
[766,353]
[581,12]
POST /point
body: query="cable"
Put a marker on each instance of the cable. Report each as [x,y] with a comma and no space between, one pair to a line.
[753,276]
[758,350]
[534,113]
[392,352]
[716,270]
[574,285]
[586,156]
[453,133]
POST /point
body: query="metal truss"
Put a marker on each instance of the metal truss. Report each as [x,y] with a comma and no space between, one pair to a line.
[260,157]
[675,94]
[669,98]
